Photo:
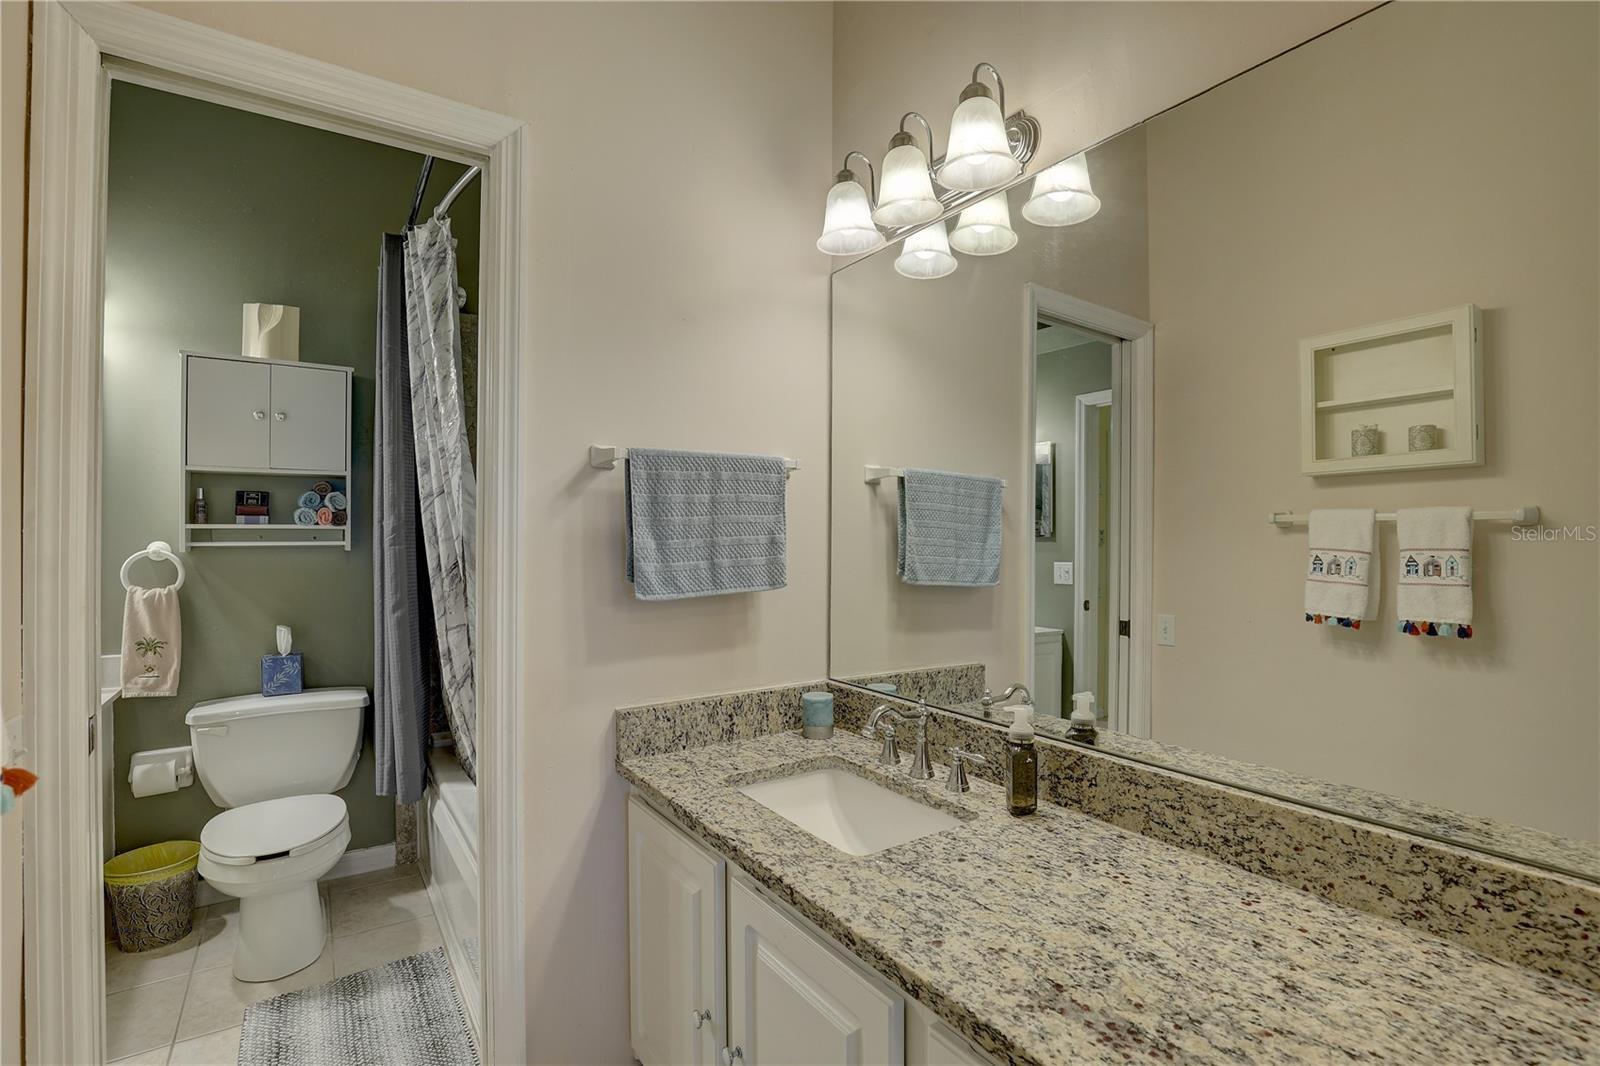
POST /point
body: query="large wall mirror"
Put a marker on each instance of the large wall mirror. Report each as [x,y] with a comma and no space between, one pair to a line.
[1363,275]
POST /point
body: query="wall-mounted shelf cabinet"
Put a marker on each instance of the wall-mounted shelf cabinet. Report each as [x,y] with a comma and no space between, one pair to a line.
[262,424]
[1424,370]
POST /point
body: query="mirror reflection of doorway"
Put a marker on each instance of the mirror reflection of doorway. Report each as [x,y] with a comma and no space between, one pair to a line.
[1072,570]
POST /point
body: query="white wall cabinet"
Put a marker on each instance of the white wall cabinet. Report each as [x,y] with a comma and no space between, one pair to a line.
[704,938]
[676,924]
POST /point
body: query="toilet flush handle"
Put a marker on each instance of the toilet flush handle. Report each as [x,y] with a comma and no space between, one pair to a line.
[217,730]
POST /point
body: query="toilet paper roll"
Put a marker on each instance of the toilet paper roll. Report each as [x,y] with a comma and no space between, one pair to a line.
[154,778]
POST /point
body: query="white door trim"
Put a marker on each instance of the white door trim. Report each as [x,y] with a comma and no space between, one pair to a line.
[61,518]
[1132,501]
[1086,555]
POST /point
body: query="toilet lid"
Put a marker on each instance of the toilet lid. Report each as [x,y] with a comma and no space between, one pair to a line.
[272,827]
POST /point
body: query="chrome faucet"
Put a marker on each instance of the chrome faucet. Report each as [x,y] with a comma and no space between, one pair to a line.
[1011,690]
[920,767]
[957,781]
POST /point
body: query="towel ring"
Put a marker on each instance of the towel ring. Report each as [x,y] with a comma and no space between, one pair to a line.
[157,551]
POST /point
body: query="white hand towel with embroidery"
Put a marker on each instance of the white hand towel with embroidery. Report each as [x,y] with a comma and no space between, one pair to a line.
[1434,596]
[1342,567]
[152,642]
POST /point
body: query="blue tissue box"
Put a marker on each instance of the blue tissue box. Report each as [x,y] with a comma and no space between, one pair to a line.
[281,675]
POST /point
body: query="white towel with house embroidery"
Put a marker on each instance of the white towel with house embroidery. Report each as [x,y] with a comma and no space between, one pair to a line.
[1435,568]
[152,642]
[1342,567]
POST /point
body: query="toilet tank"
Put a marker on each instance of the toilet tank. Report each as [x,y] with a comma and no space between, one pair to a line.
[253,748]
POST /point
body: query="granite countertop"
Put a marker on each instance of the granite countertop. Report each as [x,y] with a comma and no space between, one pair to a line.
[1057,938]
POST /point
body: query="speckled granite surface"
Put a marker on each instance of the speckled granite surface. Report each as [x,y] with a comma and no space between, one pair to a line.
[1061,939]
[653,728]
[941,685]
[1517,913]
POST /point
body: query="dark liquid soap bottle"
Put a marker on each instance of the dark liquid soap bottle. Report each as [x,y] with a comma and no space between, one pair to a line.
[1022,764]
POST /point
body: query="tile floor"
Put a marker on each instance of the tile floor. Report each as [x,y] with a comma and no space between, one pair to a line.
[180,1005]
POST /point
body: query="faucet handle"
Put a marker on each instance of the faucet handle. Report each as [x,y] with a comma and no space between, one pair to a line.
[957,781]
[890,755]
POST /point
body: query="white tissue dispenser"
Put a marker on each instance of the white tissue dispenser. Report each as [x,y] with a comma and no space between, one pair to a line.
[160,770]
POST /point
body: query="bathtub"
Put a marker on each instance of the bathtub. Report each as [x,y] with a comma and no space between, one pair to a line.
[448,850]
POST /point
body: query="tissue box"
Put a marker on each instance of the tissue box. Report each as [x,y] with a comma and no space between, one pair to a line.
[281,675]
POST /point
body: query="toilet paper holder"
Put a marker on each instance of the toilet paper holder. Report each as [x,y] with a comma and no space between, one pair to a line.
[181,758]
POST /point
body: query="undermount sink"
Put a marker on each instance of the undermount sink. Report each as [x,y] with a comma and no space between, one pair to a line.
[849,812]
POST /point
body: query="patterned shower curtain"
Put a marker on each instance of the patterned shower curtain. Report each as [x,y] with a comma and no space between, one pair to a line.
[446,487]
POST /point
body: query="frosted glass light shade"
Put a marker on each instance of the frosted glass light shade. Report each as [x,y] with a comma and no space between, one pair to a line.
[906,197]
[847,227]
[985,228]
[979,155]
[1062,195]
[926,255]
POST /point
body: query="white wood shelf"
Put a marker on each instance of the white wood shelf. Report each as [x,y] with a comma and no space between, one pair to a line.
[263,525]
[1423,370]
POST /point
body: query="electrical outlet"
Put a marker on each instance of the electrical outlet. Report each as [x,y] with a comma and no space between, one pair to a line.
[1063,573]
[1166,630]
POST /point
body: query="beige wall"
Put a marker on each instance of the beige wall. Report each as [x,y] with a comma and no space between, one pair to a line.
[935,374]
[1426,156]
[677,300]
[1085,70]
[13,213]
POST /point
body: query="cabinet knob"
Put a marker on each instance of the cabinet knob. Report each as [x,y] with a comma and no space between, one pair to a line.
[731,1055]
[700,1017]
[280,416]
[259,415]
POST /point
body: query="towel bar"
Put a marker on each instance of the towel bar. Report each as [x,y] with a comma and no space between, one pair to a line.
[1517,516]
[874,474]
[156,550]
[606,457]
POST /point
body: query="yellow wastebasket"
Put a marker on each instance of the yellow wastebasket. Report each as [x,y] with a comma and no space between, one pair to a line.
[152,894]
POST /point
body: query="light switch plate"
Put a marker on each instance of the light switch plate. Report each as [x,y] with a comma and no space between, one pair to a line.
[1063,573]
[1166,630]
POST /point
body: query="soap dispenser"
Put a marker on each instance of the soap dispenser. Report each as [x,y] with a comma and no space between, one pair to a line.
[1022,763]
[1082,726]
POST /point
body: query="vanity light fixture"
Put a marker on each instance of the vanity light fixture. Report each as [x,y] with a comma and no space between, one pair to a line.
[985,227]
[847,226]
[906,198]
[926,255]
[1062,195]
[979,154]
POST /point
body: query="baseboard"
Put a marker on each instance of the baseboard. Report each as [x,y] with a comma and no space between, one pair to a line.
[361,861]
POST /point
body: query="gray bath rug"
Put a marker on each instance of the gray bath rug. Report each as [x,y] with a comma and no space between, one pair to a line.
[404,1013]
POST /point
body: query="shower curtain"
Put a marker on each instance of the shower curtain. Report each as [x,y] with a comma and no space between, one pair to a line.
[446,486]
[401,682]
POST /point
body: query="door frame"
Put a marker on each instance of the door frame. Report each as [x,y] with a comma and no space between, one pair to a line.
[1086,564]
[1132,492]
[72,44]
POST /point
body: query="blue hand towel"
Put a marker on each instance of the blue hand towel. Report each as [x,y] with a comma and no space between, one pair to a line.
[949,529]
[705,524]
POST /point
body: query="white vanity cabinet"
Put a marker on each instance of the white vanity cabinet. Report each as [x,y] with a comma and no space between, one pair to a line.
[718,972]
[677,964]
[260,415]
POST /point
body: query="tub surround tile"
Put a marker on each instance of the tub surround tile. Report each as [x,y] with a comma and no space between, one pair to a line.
[1002,926]
[655,728]
[405,834]
[1517,913]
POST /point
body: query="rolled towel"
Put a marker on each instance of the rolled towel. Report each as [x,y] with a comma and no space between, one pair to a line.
[341,518]
[1341,567]
[336,500]
[325,516]
[322,488]
[1433,597]
[305,516]
[311,499]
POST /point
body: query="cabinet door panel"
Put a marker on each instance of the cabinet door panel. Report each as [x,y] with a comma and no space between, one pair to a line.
[676,917]
[310,413]
[223,398]
[793,1002]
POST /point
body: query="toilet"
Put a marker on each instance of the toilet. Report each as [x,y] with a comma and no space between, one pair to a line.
[273,764]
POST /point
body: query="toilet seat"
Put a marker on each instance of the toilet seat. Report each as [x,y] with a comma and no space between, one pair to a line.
[273,829]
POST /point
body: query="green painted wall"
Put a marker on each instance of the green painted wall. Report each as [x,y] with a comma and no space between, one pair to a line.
[210,208]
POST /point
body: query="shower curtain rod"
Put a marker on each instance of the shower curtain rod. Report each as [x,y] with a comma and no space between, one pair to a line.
[449,197]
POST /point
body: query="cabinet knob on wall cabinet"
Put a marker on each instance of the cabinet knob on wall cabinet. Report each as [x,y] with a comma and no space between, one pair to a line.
[280,416]
[731,1055]
[259,415]
[700,1017]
